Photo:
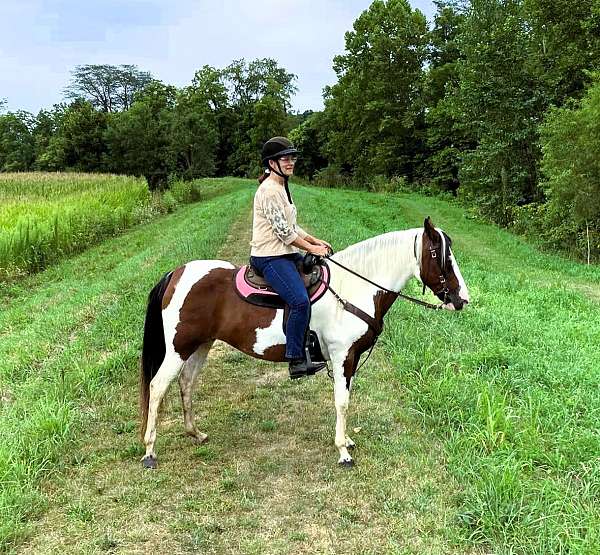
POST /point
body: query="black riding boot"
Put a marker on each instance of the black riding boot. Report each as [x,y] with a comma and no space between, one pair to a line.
[300,367]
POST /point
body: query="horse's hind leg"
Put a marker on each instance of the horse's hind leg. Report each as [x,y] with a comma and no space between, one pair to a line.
[167,372]
[187,381]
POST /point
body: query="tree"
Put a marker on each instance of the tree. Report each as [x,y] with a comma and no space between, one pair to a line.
[446,138]
[375,108]
[209,88]
[16,141]
[138,139]
[78,142]
[47,125]
[309,138]
[565,44]
[571,166]
[260,96]
[248,83]
[108,88]
[499,102]
[194,134]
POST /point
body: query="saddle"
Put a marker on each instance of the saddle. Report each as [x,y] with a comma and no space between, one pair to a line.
[252,287]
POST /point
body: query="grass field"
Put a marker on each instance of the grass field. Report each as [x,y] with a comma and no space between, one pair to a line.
[478,431]
[45,217]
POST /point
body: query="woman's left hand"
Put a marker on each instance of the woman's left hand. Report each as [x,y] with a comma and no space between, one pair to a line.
[325,244]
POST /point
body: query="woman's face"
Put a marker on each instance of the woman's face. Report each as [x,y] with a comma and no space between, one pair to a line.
[286,163]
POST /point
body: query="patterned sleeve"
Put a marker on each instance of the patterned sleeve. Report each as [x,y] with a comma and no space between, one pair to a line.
[275,214]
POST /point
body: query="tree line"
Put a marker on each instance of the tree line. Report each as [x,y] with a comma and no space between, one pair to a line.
[122,120]
[495,101]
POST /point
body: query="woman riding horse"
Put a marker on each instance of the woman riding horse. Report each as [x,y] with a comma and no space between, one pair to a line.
[276,239]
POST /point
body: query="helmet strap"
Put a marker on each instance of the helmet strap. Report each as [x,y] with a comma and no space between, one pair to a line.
[285,179]
[285,182]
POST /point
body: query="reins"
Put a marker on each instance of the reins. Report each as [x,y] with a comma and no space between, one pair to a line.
[398,294]
[369,320]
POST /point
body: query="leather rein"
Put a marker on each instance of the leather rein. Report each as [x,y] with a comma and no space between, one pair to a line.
[376,326]
[369,320]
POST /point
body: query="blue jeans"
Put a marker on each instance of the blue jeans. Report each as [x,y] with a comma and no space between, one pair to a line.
[283,276]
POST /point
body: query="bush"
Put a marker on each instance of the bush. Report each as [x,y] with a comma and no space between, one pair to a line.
[332,176]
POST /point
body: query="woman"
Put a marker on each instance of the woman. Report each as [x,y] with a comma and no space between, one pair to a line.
[276,239]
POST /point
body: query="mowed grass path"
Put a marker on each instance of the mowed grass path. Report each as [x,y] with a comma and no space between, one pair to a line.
[268,481]
[477,432]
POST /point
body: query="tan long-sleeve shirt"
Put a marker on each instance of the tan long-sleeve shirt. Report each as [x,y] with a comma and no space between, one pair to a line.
[274,225]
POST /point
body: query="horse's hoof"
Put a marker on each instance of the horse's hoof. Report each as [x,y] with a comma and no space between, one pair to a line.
[201,439]
[346,464]
[351,446]
[198,438]
[149,462]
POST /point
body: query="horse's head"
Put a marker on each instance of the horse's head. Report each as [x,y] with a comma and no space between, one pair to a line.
[439,270]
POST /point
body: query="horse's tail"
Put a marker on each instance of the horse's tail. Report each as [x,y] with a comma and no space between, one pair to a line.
[153,346]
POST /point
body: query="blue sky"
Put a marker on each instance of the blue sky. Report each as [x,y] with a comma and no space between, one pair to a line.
[41,41]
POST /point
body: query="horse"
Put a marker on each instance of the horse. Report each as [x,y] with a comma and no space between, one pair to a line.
[196,304]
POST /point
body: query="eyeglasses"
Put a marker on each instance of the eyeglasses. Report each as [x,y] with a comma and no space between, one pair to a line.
[287,159]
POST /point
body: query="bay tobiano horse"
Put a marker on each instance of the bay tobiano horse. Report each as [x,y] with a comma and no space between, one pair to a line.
[197,303]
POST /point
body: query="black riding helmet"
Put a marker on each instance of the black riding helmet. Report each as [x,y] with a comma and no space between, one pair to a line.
[275,148]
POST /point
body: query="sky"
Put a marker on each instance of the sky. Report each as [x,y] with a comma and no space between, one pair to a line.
[41,41]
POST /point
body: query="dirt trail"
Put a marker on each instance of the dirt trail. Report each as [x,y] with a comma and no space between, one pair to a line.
[267,481]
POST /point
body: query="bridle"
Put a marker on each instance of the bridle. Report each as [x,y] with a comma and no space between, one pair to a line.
[371,322]
[442,279]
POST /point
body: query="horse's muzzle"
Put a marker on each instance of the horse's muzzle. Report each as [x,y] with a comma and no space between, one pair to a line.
[455,303]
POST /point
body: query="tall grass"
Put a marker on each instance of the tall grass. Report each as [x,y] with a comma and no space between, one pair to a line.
[45,217]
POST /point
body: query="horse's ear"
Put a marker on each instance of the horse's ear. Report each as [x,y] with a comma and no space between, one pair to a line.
[429,229]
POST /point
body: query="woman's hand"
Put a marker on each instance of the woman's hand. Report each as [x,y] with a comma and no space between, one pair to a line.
[323,244]
[319,242]
[320,250]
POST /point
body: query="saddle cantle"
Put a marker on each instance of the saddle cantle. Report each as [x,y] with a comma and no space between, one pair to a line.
[254,289]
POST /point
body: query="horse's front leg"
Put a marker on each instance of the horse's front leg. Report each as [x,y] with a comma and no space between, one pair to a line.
[342,387]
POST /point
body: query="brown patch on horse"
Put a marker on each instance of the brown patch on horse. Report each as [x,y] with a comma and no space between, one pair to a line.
[170,290]
[213,310]
[382,301]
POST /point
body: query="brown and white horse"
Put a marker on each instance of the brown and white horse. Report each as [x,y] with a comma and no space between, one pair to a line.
[196,304]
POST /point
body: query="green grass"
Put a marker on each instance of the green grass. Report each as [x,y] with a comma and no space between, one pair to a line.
[68,332]
[479,431]
[510,384]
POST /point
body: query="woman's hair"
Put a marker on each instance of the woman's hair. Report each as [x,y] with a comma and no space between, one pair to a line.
[262,176]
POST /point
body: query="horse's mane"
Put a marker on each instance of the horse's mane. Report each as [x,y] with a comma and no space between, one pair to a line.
[380,255]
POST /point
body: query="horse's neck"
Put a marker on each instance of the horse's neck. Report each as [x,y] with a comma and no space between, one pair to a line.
[389,260]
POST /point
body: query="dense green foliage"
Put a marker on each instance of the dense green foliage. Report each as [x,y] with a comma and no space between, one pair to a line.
[461,107]
[140,126]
